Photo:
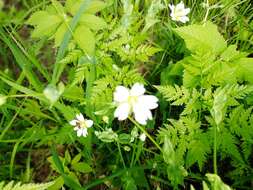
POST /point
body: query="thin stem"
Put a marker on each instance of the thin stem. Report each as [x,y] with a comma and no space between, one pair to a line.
[120,153]
[215,150]
[146,133]
[207,11]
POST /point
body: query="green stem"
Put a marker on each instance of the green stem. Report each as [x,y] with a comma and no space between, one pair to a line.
[215,150]
[146,133]
[120,153]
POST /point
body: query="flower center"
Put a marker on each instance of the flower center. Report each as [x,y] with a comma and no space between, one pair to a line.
[132,100]
[81,124]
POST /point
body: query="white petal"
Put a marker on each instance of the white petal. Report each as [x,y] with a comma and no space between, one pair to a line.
[76,128]
[122,111]
[172,7]
[84,132]
[121,94]
[142,137]
[184,19]
[180,5]
[79,132]
[89,123]
[137,89]
[73,122]
[141,114]
[187,11]
[80,117]
[148,101]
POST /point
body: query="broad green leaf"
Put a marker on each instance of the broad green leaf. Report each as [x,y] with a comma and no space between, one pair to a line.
[201,38]
[93,22]
[35,18]
[85,39]
[58,37]
[82,167]
[94,7]
[58,7]
[46,26]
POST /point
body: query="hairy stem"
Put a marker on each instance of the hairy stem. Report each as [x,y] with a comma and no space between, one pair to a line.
[146,133]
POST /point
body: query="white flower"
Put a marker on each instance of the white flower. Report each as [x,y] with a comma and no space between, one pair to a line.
[142,137]
[135,101]
[179,12]
[81,125]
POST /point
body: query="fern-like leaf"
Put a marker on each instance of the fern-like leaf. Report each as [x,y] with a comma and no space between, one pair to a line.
[30,186]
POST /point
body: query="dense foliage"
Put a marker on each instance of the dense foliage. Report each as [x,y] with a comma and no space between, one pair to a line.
[74,112]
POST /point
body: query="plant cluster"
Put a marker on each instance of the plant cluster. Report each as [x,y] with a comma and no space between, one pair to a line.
[151,94]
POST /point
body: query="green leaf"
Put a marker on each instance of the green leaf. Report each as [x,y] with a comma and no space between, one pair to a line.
[216,182]
[93,22]
[128,182]
[58,68]
[85,39]
[45,26]
[94,7]
[202,38]
[73,93]
[29,186]
[245,69]
[82,167]
[76,159]
[197,152]
[58,37]
[35,18]
[3,99]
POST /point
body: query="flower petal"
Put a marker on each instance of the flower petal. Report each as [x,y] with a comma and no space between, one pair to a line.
[187,11]
[180,6]
[141,114]
[172,7]
[184,19]
[73,122]
[142,137]
[122,111]
[85,132]
[76,128]
[89,123]
[148,101]
[80,117]
[79,132]
[137,90]
[121,94]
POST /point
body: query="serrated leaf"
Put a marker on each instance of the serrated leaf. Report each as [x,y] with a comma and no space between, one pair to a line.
[85,39]
[94,7]
[93,22]
[58,37]
[74,93]
[202,37]
[245,69]
[46,26]
[35,18]
[29,186]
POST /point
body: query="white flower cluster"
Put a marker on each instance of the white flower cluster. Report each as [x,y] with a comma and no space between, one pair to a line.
[179,12]
[134,101]
[81,125]
[128,101]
